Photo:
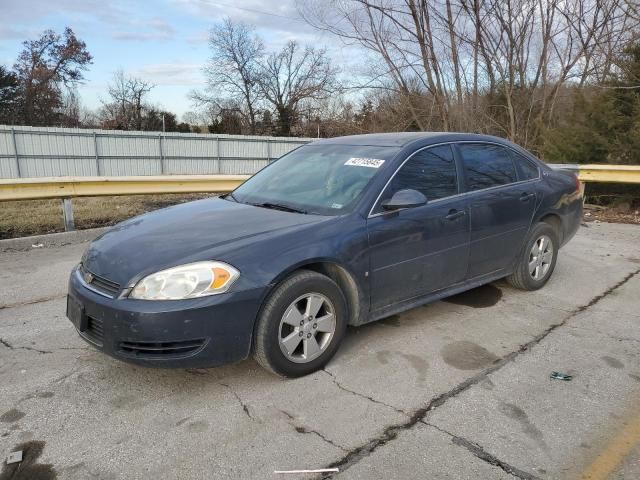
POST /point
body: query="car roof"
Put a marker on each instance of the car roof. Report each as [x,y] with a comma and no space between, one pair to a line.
[401,139]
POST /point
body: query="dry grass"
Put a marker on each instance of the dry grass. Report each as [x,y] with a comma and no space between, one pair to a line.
[33,217]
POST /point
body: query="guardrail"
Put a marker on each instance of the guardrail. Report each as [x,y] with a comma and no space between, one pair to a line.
[69,187]
[66,188]
[602,173]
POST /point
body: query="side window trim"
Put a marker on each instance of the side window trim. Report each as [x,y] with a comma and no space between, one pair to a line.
[460,172]
[386,185]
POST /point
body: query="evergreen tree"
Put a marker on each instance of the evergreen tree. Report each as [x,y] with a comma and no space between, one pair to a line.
[604,124]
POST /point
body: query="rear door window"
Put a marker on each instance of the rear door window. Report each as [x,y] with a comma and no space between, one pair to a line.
[431,171]
[486,166]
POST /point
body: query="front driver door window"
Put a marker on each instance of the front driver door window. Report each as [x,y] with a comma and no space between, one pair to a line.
[419,250]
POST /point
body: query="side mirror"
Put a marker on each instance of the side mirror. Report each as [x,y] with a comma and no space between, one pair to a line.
[404,199]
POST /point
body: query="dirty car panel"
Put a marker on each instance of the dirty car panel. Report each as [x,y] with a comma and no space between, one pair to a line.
[468,233]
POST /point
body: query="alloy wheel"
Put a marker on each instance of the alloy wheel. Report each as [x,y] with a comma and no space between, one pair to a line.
[540,257]
[307,327]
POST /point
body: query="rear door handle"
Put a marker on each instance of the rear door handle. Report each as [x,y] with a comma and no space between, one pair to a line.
[525,197]
[453,214]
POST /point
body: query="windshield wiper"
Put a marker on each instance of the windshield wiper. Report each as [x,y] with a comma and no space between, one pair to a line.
[279,206]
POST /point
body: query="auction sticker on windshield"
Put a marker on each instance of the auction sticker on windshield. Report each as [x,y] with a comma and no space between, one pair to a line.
[364,162]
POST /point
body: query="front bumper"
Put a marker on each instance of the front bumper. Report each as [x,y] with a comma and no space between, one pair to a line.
[203,332]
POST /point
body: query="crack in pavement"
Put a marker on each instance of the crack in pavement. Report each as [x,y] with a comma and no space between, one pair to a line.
[597,298]
[483,455]
[304,430]
[12,347]
[244,406]
[62,378]
[391,432]
[362,395]
[32,302]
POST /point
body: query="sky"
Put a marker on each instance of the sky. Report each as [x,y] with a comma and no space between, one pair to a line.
[162,41]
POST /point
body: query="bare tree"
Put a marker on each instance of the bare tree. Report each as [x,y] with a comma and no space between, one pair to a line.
[294,75]
[633,9]
[512,58]
[127,95]
[44,67]
[233,69]
[70,109]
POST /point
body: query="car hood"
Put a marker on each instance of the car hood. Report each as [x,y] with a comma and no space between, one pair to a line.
[181,234]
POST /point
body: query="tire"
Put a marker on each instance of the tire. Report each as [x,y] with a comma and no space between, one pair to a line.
[522,278]
[300,294]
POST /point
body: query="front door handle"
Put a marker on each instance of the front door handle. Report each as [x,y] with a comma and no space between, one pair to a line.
[453,214]
[525,197]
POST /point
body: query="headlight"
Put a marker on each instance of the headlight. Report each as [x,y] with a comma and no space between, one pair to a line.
[186,281]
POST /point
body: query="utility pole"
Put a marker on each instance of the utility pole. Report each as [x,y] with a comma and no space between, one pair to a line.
[163,122]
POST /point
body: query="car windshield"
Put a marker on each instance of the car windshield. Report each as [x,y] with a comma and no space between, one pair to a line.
[322,179]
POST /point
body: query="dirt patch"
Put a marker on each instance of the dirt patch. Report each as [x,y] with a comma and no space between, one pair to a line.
[612,362]
[28,468]
[419,364]
[198,426]
[528,428]
[392,321]
[481,297]
[465,355]
[597,213]
[11,416]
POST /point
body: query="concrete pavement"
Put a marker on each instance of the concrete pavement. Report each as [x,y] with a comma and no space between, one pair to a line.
[456,389]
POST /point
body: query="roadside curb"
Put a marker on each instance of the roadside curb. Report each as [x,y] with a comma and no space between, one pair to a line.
[50,240]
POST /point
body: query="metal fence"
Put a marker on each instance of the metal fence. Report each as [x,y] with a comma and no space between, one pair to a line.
[55,152]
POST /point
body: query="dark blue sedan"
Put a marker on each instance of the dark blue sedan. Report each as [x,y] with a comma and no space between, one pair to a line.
[339,232]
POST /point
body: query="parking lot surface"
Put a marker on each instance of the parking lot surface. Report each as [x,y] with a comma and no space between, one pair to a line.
[457,389]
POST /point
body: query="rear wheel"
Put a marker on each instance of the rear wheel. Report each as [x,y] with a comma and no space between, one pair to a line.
[301,325]
[537,260]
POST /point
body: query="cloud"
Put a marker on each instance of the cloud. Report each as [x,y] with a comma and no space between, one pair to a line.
[262,14]
[155,29]
[172,74]
[29,18]
[198,38]
[11,33]
[31,11]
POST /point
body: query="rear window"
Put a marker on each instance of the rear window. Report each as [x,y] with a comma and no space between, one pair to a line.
[527,170]
[486,166]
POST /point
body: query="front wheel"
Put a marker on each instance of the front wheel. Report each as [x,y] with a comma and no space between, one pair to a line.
[301,325]
[537,260]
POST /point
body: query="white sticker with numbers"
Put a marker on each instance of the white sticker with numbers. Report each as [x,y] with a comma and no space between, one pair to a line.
[364,162]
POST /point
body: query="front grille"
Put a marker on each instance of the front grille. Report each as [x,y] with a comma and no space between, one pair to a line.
[161,349]
[94,330]
[101,284]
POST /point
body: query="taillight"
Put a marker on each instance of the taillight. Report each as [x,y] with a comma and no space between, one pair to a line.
[578,184]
